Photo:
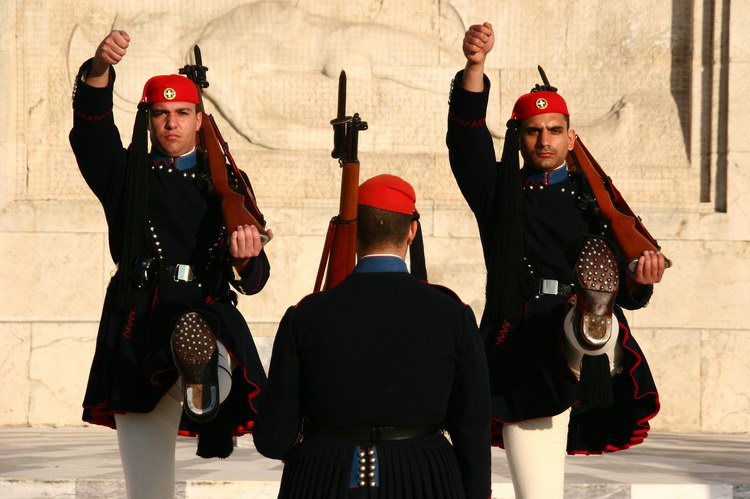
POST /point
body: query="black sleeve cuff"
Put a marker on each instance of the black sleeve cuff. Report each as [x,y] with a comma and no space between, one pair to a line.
[468,108]
[91,103]
[629,301]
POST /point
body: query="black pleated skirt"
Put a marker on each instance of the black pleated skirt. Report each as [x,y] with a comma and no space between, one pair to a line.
[420,468]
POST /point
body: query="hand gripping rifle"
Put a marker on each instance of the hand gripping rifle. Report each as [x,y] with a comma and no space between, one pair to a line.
[238,205]
[340,249]
[600,195]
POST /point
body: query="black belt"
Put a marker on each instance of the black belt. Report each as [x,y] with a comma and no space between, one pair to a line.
[374,434]
[553,287]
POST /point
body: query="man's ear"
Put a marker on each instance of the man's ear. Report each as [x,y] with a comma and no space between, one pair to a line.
[571,139]
[412,231]
[199,117]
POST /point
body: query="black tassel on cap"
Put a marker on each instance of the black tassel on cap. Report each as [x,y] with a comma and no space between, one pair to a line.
[134,210]
[416,253]
[595,387]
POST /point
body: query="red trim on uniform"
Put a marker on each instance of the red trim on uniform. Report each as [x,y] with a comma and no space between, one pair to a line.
[639,434]
[87,117]
[502,333]
[161,162]
[129,325]
[99,415]
[467,124]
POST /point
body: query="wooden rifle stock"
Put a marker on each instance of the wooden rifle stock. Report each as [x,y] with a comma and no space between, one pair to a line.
[237,208]
[340,248]
[629,233]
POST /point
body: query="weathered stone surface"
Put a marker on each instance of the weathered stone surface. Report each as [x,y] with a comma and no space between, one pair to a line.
[633,77]
[700,290]
[675,359]
[56,275]
[724,375]
[61,355]
[15,355]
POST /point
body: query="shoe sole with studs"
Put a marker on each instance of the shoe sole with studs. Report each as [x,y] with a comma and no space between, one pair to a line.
[596,290]
[196,356]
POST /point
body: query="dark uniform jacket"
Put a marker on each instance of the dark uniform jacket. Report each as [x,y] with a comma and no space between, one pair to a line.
[380,349]
[133,367]
[529,377]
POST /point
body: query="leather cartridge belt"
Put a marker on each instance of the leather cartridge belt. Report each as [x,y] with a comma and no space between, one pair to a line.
[374,434]
[181,272]
[553,287]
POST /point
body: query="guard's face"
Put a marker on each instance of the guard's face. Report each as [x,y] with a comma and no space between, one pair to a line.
[173,126]
[545,141]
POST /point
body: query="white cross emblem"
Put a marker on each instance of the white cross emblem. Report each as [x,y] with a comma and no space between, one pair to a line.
[541,103]
[169,93]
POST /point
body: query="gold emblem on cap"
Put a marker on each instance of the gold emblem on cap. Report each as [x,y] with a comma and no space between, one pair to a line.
[541,103]
[169,93]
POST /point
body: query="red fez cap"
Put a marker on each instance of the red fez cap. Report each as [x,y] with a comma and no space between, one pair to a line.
[541,102]
[168,88]
[388,192]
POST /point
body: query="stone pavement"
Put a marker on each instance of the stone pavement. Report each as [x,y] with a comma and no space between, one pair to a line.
[83,463]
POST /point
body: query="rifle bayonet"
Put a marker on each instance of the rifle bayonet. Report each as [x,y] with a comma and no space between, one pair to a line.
[339,123]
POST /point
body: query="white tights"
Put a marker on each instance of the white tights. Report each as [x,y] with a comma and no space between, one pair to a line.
[147,440]
[535,448]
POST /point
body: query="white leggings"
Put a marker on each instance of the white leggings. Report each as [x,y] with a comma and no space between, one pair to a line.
[147,440]
[535,448]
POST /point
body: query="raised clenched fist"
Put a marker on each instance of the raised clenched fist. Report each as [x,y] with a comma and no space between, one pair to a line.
[478,41]
[110,52]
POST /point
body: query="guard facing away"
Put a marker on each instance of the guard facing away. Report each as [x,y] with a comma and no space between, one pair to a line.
[565,371]
[366,376]
[170,335]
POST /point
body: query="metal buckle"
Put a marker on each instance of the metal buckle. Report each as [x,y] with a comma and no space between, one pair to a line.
[183,272]
[548,286]
[377,434]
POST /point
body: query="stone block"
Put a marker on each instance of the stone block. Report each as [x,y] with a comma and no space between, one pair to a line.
[738,106]
[112,488]
[739,27]
[701,289]
[681,491]
[18,216]
[674,357]
[196,489]
[456,220]
[61,355]
[294,264]
[15,354]
[58,275]
[35,489]
[86,216]
[725,401]
[457,264]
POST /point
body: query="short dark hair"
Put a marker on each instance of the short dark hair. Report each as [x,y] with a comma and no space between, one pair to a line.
[376,227]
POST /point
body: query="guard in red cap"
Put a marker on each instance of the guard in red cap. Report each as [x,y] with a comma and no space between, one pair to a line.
[173,353]
[373,370]
[551,391]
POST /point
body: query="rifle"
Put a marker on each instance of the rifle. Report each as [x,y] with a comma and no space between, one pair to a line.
[340,248]
[608,204]
[601,195]
[237,208]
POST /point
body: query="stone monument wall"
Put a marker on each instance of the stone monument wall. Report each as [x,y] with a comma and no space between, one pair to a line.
[655,88]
